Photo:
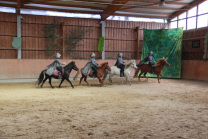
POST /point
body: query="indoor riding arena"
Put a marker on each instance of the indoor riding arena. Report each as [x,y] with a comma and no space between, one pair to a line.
[103,69]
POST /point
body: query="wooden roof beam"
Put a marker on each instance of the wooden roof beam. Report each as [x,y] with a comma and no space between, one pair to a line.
[18,6]
[148,7]
[60,10]
[67,5]
[186,8]
[38,2]
[112,8]
[147,16]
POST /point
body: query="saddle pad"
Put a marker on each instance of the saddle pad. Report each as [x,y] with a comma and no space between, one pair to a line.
[56,73]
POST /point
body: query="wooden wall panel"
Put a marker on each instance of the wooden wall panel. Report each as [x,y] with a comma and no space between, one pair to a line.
[120,36]
[189,53]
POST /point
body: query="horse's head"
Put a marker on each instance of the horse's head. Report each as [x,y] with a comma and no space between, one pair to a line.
[131,64]
[134,64]
[74,67]
[164,62]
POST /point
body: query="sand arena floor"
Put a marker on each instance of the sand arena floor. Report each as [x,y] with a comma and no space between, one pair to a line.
[146,110]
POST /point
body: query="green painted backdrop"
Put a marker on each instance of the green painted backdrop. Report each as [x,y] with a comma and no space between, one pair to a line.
[164,43]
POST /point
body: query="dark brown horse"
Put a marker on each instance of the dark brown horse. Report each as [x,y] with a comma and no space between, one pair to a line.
[145,68]
[100,72]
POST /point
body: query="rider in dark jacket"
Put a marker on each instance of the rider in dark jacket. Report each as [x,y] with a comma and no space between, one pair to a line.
[120,64]
[150,59]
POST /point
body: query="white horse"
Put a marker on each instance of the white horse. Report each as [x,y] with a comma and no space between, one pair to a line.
[116,71]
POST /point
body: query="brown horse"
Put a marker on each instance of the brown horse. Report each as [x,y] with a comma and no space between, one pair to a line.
[100,72]
[158,69]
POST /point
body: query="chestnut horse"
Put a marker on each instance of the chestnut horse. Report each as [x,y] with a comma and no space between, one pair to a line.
[100,72]
[158,69]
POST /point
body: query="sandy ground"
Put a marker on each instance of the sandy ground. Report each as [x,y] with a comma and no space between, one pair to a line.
[146,110]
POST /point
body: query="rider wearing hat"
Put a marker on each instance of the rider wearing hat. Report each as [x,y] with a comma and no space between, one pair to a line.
[58,65]
[150,59]
[120,64]
[93,64]
[50,69]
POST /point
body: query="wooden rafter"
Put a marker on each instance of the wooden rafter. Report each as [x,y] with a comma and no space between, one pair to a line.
[148,12]
[112,8]
[37,2]
[69,5]
[147,16]
[186,8]
[61,10]
[18,6]
[148,7]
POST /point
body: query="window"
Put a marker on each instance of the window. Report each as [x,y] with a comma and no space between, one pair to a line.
[174,19]
[202,21]
[203,8]
[173,24]
[182,16]
[191,23]
[182,23]
[192,12]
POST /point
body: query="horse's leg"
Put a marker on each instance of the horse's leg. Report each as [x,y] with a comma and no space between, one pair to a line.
[140,75]
[61,82]
[158,78]
[43,81]
[127,79]
[101,81]
[136,73]
[85,79]
[81,79]
[70,82]
[161,76]
[50,82]
[110,78]
[145,76]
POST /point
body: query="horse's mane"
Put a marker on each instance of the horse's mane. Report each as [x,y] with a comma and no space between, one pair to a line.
[100,65]
[128,64]
[158,62]
[68,65]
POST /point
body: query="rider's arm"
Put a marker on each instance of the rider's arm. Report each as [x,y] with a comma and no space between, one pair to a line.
[60,62]
[94,62]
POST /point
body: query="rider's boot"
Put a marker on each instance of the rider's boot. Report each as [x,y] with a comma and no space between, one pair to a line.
[60,75]
[152,70]
[122,74]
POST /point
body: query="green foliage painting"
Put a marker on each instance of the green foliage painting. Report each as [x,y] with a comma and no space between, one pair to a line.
[101,44]
[165,43]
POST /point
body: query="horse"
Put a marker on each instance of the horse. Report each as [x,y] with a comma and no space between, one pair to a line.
[158,69]
[67,70]
[100,72]
[116,71]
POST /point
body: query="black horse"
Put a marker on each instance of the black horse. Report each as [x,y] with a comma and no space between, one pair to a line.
[67,70]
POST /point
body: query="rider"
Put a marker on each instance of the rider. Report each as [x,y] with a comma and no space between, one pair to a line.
[93,64]
[151,61]
[58,65]
[120,64]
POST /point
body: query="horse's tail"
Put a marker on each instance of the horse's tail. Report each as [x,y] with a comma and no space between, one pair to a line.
[78,72]
[137,71]
[105,74]
[41,77]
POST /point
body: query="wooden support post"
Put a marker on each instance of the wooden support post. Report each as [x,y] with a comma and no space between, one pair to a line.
[138,43]
[18,27]
[63,40]
[103,34]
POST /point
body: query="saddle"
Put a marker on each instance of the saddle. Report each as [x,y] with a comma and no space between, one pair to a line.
[56,72]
